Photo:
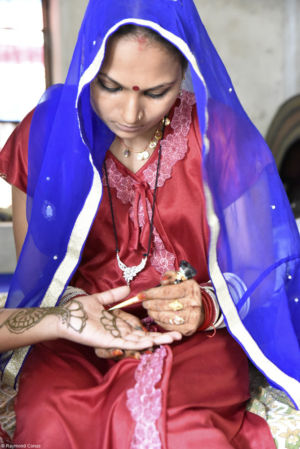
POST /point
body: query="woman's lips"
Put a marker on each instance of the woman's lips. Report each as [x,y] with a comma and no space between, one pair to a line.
[128,129]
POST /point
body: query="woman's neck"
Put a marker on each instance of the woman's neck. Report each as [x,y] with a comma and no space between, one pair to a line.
[134,153]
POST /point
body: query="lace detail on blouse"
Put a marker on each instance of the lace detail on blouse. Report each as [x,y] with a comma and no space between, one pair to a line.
[162,260]
[122,184]
[144,400]
[174,146]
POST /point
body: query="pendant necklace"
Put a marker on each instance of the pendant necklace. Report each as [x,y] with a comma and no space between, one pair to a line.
[145,154]
[130,273]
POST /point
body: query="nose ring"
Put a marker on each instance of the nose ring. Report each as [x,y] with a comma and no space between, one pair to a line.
[140,116]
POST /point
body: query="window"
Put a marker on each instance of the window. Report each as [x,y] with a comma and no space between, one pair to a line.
[22,66]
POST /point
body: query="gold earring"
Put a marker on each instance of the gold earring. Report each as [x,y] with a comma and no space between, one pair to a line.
[166,121]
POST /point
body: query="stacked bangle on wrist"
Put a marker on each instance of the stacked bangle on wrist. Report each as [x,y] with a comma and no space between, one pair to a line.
[71,293]
[213,318]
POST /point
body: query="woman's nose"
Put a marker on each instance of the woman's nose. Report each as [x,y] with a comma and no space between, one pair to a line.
[132,109]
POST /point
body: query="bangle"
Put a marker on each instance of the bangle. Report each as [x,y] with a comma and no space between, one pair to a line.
[213,317]
[209,310]
[71,293]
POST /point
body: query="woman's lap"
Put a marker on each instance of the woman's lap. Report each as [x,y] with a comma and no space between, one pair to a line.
[68,398]
[65,398]
[210,404]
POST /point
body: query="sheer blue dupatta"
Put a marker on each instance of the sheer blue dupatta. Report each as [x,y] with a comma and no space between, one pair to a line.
[253,236]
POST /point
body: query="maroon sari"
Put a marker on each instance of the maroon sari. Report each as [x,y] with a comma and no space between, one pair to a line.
[189,395]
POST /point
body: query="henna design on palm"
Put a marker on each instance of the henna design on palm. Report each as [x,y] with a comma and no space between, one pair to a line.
[109,322]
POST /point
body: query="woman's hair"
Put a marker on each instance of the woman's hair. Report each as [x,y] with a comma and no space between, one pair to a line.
[136,30]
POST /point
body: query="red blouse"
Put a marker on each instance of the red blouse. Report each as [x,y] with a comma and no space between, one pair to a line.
[180,228]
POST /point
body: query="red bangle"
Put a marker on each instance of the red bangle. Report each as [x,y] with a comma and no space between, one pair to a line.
[209,310]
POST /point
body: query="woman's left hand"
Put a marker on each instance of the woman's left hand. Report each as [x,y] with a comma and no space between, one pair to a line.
[119,354]
[176,306]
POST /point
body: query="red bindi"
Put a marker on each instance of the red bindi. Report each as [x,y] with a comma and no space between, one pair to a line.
[135,88]
[142,41]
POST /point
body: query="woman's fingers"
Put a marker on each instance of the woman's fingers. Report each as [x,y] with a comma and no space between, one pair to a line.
[171,305]
[171,291]
[185,321]
[111,353]
[189,316]
[130,319]
[113,295]
[169,277]
[175,307]
[133,345]
[144,342]
[119,354]
[173,297]
[167,338]
[148,339]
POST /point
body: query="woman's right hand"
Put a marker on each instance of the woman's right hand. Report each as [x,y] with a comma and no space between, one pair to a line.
[85,320]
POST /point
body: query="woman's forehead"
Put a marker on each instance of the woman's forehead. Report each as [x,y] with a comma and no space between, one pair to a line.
[136,62]
[141,40]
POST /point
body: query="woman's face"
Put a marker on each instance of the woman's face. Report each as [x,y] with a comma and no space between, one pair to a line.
[137,85]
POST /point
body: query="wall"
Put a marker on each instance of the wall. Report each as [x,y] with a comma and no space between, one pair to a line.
[65,19]
[7,248]
[259,42]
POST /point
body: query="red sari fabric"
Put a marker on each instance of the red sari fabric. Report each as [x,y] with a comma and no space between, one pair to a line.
[70,399]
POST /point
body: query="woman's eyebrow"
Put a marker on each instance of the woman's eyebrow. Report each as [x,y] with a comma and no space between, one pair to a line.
[161,85]
[109,78]
[145,90]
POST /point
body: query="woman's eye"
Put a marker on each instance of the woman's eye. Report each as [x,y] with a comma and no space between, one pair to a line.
[107,88]
[159,95]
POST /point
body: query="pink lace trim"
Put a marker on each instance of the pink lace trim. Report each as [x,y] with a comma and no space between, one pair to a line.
[162,260]
[144,401]
[174,146]
[122,184]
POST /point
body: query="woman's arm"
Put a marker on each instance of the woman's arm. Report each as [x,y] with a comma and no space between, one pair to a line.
[23,327]
[19,218]
[83,320]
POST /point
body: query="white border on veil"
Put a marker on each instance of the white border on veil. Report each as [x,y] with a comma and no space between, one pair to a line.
[82,226]
[235,324]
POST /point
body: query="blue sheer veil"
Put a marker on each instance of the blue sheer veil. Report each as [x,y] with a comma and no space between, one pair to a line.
[254,243]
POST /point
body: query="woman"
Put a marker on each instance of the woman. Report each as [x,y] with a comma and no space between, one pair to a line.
[203,174]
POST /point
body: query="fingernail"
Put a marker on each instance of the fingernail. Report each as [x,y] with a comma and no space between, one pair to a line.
[144,329]
[141,296]
[165,277]
[148,351]
[117,352]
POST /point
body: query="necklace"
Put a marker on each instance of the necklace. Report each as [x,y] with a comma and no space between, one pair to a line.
[129,273]
[145,153]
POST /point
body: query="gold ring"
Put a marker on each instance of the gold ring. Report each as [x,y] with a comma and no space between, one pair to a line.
[176,305]
[177,320]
